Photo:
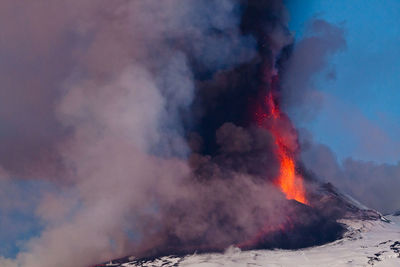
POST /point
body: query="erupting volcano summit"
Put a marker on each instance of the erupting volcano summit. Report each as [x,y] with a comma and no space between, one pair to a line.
[155,128]
[271,117]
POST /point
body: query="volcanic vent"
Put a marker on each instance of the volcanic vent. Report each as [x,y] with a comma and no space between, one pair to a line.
[271,117]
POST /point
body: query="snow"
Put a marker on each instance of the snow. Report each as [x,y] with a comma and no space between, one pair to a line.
[367,243]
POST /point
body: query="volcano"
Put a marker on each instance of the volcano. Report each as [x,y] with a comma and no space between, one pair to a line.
[171,127]
[366,243]
[245,185]
[366,238]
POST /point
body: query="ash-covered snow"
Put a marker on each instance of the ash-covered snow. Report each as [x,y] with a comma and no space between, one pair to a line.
[367,243]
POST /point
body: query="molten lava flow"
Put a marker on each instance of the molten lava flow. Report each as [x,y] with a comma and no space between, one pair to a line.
[290,183]
[273,109]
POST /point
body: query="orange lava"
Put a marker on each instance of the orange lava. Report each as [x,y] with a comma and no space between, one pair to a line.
[272,107]
[290,182]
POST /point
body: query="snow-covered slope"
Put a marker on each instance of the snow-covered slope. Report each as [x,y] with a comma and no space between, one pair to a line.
[367,243]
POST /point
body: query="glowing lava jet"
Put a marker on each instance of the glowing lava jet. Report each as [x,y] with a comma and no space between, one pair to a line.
[289,181]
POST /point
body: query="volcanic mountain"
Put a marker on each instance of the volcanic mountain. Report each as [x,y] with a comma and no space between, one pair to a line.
[359,237]
[246,186]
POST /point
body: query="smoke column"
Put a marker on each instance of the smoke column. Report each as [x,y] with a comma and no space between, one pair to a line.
[139,116]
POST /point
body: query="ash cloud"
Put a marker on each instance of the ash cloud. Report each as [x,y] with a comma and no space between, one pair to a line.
[373,184]
[106,101]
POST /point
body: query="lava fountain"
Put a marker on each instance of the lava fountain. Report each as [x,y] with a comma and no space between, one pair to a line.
[269,115]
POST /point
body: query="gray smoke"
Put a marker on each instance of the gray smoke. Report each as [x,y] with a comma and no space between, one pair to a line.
[94,98]
[373,184]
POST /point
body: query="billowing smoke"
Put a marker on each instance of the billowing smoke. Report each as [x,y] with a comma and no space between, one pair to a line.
[139,118]
[373,184]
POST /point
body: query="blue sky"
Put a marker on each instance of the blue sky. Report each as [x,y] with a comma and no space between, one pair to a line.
[17,219]
[360,115]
